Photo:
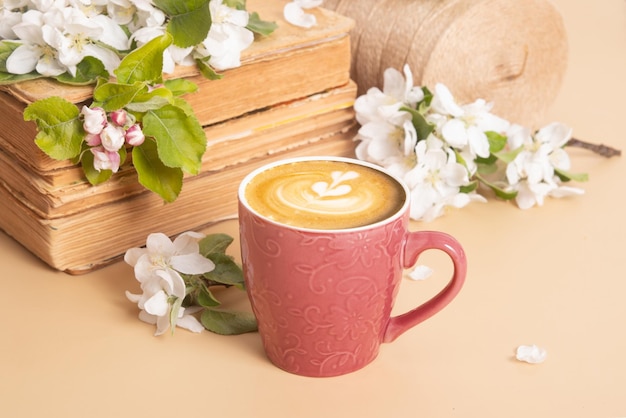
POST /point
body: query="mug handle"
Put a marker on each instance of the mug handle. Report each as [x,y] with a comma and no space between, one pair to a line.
[415,244]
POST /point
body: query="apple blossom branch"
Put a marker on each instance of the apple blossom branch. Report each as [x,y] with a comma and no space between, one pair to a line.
[600,149]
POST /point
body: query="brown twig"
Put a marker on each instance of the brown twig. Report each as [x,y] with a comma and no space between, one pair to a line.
[601,149]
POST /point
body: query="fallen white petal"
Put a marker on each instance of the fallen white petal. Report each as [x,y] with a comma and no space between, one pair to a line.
[295,15]
[420,272]
[531,354]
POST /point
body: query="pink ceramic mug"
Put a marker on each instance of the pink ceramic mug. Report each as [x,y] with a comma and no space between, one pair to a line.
[323,297]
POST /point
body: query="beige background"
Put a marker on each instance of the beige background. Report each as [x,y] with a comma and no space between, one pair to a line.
[551,276]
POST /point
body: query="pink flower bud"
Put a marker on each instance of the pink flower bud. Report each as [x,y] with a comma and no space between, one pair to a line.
[119,117]
[93,140]
[112,137]
[135,136]
[94,120]
[105,160]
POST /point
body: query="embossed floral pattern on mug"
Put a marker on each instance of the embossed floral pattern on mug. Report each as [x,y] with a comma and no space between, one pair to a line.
[336,332]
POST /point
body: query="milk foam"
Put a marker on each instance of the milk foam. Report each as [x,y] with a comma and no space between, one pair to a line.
[324,194]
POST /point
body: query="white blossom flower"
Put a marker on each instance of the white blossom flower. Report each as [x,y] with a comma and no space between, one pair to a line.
[398,91]
[8,19]
[532,172]
[383,143]
[181,255]
[159,298]
[35,53]
[294,13]
[387,136]
[121,12]
[158,269]
[464,127]
[77,37]
[436,180]
[55,39]
[146,16]
[227,37]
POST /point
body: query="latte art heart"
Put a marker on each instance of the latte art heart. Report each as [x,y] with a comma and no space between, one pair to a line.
[324,194]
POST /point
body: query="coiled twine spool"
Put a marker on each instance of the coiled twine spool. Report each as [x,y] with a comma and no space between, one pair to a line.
[511,53]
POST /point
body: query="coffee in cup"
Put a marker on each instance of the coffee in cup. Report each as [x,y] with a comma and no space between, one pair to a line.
[324,194]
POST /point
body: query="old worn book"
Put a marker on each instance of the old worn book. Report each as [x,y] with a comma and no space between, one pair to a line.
[86,240]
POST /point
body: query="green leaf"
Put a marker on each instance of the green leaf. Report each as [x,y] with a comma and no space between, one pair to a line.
[8,78]
[489,161]
[486,169]
[167,182]
[183,105]
[500,192]
[87,72]
[144,63]
[228,323]
[215,243]
[155,102]
[567,176]
[469,187]
[428,98]
[176,305]
[60,128]
[262,27]
[6,49]
[115,96]
[226,271]
[180,138]
[422,127]
[150,100]
[508,156]
[206,298]
[181,86]
[497,142]
[190,20]
[206,70]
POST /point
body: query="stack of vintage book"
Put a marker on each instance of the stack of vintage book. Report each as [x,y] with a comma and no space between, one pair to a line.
[292,96]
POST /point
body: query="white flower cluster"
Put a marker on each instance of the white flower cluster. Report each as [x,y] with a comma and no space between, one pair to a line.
[158,269]
[56,35]
[441,169]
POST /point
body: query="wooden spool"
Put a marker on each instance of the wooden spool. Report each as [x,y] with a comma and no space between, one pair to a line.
[511,53]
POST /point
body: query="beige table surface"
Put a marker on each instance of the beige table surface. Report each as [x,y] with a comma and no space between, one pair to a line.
[72,346]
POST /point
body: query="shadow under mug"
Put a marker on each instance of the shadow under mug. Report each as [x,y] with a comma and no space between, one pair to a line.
[323,298]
